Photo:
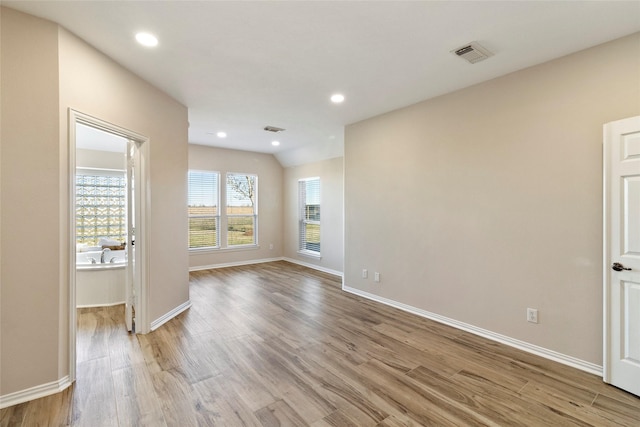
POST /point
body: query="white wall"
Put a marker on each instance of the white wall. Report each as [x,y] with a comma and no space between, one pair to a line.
[481,203]
[330,173]
[270,201]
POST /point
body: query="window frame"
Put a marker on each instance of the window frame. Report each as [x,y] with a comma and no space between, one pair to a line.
[303,220]
[216,218]
[254,214]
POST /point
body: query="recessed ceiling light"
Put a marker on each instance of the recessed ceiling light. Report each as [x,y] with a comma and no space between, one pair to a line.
[337,98]
[275,143]
[147,39]
[221,134]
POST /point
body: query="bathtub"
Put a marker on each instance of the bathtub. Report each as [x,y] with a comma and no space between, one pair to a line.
[99,284]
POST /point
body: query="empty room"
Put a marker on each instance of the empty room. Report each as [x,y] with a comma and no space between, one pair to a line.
[319,213]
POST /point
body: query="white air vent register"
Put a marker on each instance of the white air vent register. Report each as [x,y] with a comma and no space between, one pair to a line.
[472,52]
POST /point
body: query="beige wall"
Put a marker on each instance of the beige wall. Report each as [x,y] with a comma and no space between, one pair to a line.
[45,71]
[95,85]
[30,217]
[481,203]
[270,201]
[330,173]
[100,159]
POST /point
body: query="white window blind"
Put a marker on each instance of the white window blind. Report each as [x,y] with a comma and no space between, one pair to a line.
[204,215]
[242,209]
[309,215]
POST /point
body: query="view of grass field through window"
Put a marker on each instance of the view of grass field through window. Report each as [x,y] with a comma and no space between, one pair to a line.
[240,210]
[203,211]
[203,226]
[240,226]
[312,237]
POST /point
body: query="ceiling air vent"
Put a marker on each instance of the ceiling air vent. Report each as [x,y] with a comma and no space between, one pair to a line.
[273,129]
[472,52]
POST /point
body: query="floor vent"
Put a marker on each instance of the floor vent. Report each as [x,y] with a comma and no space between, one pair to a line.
[472,52]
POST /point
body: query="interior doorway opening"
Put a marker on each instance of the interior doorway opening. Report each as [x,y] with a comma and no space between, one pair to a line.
[108,250]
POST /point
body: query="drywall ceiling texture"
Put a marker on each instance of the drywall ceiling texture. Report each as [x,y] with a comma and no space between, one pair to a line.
[478,204]
[46,70]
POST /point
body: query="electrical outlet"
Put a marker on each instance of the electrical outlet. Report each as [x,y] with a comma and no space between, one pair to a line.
[376,277]
[365,273]
[270,246]
[532,315]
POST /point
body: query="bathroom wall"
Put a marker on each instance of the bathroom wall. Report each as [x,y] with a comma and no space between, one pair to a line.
[100,159]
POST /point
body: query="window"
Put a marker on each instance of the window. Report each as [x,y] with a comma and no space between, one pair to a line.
[204,215]
[100,206]
[309,203]
[242,209]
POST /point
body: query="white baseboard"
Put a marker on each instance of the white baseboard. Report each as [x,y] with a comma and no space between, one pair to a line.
[33,393]
[263,260]
[313,266]
[233,264]
[503,339]
[170,315]
[99,305]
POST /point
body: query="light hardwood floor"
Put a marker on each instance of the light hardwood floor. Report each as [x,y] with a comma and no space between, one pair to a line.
[278,344]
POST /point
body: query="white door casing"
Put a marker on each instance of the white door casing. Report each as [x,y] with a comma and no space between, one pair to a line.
[142,210]
[621,281]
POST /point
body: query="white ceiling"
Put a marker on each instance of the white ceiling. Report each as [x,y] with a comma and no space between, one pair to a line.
[239,66]
[90,138]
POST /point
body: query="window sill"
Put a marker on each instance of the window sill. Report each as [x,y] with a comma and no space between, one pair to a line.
[310,254]
[194,251]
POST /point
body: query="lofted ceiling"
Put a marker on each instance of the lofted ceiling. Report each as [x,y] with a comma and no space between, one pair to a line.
[242,65]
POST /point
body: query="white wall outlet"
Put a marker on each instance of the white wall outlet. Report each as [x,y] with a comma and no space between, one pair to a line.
[270,246]
[376,276]
[532,315]
[365,273]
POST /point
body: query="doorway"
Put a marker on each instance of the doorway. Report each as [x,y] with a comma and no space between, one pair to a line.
[108,218]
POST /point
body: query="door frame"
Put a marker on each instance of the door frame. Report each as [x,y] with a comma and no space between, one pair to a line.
[142,236]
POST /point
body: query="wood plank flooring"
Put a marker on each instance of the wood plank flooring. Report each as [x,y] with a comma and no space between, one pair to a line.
[280,345]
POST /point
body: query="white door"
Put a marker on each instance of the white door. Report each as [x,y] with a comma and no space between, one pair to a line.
[134,261]
[129,311]
[622,254]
